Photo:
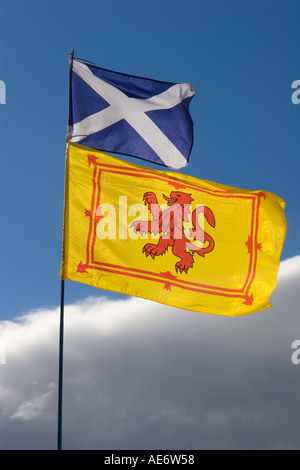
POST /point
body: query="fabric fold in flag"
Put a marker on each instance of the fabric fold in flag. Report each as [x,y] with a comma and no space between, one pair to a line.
[129,115]
[169,237]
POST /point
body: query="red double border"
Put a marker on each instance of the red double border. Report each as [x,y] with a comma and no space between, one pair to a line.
[166,278]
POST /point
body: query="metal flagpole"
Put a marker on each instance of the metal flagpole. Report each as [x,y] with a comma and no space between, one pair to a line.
[60,373]
[61,330]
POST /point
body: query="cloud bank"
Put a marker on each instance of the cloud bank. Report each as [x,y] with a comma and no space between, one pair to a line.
[140,375]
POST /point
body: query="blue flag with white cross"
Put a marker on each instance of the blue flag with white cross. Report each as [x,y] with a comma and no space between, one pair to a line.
[124,114]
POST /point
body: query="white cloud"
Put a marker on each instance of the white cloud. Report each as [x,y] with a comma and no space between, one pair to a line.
[35,407]
[290,268]
[142,375]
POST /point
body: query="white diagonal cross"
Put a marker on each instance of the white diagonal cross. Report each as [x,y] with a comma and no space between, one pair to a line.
[133,111]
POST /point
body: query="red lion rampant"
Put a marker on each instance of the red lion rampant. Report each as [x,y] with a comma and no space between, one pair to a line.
[170,223]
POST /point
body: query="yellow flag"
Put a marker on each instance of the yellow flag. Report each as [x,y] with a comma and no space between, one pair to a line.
[169,237]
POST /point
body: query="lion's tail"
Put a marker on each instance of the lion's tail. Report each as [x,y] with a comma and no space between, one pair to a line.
[199,234]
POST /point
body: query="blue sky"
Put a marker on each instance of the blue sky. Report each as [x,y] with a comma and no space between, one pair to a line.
[241,57]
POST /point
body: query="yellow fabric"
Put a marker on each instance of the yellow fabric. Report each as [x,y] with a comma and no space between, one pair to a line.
[229,267]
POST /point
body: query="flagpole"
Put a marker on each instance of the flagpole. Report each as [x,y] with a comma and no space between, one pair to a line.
[60,372]
[61,328]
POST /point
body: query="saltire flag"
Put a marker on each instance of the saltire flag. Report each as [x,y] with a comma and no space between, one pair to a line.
[169,237]
[129,115]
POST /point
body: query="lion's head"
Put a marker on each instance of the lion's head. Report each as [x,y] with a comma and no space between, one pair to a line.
[178,197]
